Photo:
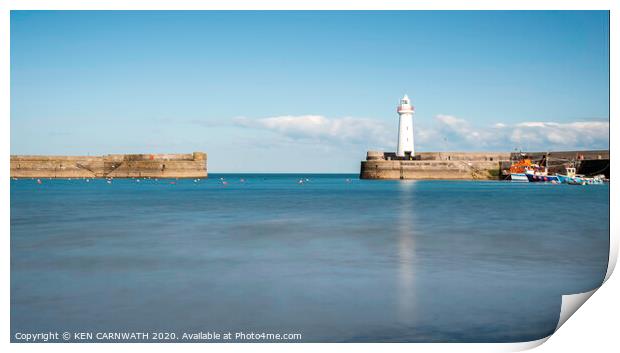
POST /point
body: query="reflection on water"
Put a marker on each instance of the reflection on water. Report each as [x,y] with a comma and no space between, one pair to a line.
[406,252]
[358,261]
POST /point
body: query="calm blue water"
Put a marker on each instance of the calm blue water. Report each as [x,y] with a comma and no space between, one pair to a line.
[330,259]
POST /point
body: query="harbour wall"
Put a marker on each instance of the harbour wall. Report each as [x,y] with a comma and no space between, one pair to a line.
[590,163]
[471,165]
[191,165]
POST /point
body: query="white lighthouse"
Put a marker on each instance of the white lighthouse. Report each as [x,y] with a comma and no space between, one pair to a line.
[405,128]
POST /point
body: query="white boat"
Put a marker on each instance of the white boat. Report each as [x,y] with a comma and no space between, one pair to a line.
[571,177]
[518,170]
[577,179]
[519,177]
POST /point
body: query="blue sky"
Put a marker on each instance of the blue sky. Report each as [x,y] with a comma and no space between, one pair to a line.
[306,91]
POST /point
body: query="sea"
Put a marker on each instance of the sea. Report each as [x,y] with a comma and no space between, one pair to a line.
[301,258]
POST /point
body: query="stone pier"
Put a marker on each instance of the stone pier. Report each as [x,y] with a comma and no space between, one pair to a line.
[191,165]
[475,165]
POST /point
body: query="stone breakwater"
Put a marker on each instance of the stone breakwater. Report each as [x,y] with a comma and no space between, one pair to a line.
[191,165]
[433,165]
[473,165]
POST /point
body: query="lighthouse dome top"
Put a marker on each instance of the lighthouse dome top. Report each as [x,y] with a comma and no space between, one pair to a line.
[405,105]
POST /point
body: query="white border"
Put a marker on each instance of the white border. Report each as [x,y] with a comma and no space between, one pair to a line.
[578,332]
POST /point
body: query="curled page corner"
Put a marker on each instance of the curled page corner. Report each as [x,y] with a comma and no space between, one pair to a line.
[570,304]
[613,256]
[524,346]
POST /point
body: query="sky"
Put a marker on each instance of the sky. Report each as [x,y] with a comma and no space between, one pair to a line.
[282,91]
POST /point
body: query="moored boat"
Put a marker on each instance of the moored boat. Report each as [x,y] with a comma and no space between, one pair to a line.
[564,179]
[526,171]
[593,181]
[570,177]
[542,177]
[574,179]
[519,177]
[518,170]
[537,173]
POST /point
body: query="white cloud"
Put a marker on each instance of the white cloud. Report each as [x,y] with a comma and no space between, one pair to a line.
[322,129]
[534,124]
[529,135]
[452,125]
[459,131]
[447,133]
[579,134]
